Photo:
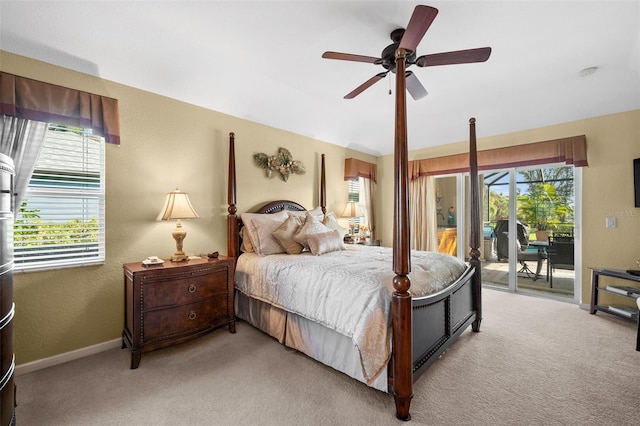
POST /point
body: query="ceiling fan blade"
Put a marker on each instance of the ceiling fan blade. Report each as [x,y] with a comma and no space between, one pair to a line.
[364,86]
[414,87]
[458,57]
[350,57]
[419,23]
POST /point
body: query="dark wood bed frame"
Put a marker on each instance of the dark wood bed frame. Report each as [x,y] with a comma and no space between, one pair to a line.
[423,328]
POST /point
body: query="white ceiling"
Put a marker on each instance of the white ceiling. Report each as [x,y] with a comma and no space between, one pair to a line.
[261,60]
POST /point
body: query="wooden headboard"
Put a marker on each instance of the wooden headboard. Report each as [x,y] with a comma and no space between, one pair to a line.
[279,205]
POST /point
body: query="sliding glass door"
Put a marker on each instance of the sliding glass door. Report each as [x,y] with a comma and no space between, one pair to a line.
[536,252]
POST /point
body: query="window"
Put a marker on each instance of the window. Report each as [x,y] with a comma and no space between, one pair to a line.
[60,222]
[355,188]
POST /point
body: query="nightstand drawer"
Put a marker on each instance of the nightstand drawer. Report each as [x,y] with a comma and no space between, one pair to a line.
[185,319]
[169,304]
[183,289]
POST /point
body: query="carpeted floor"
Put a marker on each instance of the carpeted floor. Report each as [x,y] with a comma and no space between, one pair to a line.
[535,362]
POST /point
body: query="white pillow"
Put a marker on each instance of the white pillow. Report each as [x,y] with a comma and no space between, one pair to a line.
[260,228]
[331,221]
[317,213]
[325,242]
[284,234]
[311,226]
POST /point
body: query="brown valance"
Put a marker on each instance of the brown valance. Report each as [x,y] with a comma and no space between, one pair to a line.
[354,168]
[571,150]
[35,100]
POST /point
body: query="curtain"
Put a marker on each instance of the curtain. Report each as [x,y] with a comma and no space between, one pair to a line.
[35,100]
[367,190]
[571,150]
[354,169]
[422,214]
[21,140]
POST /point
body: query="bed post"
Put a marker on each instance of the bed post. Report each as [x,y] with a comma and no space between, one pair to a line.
[233,241]
[474,254]
[401,300]
[323,186]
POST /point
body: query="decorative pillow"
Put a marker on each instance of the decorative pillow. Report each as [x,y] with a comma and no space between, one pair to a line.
[260,227]
[284,234]
[317,213]
[331,221]
[311,226]
[325,242]
[246,247]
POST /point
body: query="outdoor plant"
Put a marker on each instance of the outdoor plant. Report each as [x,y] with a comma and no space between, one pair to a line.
[540,208]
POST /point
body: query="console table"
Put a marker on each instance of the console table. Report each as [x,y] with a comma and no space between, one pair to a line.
[629,292]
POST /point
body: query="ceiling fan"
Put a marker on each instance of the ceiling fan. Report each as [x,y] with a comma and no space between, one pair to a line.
[409,39]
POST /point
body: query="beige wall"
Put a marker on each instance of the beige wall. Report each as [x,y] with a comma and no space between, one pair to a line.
[165,144]
[168,144]
[612,142]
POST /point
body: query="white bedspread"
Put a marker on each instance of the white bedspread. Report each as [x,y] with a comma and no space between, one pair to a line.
[348,291]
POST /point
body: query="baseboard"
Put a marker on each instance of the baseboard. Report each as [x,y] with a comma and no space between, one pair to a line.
[30,367]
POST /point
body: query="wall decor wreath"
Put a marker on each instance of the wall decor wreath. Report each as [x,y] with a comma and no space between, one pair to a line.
[282,162]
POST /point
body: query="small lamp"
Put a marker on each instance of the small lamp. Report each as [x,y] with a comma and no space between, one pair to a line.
[177,206]
[352,211]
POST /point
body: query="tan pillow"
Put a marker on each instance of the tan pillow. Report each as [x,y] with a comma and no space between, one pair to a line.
[246,247]
[260,228]
[297,213]
[317,213]
[284,234]
[311,226]
[325,242]
[331,221]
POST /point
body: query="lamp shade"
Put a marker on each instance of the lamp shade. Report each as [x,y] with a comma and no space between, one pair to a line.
[177,206]
[352,210]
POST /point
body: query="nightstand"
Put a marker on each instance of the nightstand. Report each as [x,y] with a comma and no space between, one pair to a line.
[175,302]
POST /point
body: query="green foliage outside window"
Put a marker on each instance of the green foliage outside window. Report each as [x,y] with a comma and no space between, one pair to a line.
[32,231]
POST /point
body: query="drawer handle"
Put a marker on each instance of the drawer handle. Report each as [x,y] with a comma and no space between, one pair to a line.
[192,288]
[192,315]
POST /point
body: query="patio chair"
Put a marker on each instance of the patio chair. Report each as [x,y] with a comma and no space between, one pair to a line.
[501,232]
[560,253]
[525,253]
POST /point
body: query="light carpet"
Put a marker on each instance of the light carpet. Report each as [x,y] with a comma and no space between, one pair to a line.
[535,362]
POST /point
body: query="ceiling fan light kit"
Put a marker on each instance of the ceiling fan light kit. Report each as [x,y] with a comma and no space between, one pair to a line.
[419,23]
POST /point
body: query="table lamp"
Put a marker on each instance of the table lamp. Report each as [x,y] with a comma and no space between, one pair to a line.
[352,211]
[177,206]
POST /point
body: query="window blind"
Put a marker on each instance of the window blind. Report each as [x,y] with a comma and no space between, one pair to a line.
[61,220]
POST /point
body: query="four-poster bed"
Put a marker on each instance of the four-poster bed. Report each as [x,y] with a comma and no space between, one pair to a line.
[422,328]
